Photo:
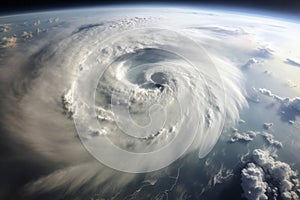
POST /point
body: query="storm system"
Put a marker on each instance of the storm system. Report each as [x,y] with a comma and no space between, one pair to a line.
[121,103]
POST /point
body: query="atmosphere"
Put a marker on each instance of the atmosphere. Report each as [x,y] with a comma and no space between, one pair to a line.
[31,5]
[150,100]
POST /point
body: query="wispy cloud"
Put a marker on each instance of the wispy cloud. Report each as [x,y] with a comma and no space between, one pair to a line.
[264,52]
[293,62]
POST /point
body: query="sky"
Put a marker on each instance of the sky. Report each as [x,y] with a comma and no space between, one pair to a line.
[290,6]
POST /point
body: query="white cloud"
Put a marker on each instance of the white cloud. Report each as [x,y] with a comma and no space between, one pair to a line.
[291,122]
[37,23]
[231,84]
[8,42]
[293,103]
[221,176]
[249,63]
[103,114]
[266,172]
[270,140]
[266,92]
[291,84]
[217,176]
[52,20]
[4,27]
[27,35]
[241,121]
[89,175]
[243,137]
[250,135]
[67,100]
[253,183]
[267,126]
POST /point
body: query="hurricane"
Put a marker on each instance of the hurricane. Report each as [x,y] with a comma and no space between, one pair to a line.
[147,97]
[137,97]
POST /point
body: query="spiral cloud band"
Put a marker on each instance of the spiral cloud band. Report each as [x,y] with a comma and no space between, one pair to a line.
[144,97]
[93,98]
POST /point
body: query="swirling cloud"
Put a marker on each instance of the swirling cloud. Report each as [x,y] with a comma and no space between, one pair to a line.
[194,91]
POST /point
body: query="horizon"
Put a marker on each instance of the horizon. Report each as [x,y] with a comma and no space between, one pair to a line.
[290,7]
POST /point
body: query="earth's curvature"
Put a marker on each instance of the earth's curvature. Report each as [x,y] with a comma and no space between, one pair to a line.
[148,102]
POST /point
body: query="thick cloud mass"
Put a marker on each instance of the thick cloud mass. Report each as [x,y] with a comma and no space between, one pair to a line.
[265,176]
[253,182]
[149,70]
[157,85]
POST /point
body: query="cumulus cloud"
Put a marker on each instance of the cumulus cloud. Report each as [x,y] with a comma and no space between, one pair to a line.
[253,183]
[264,175]
[4,27]
[67,99]
[53,20]
[290,107]
[249,136]
[249,63]
[243,137]
[267,126]
[37,23]
[8,42]
[270,140]
[286,101]
[27,35]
